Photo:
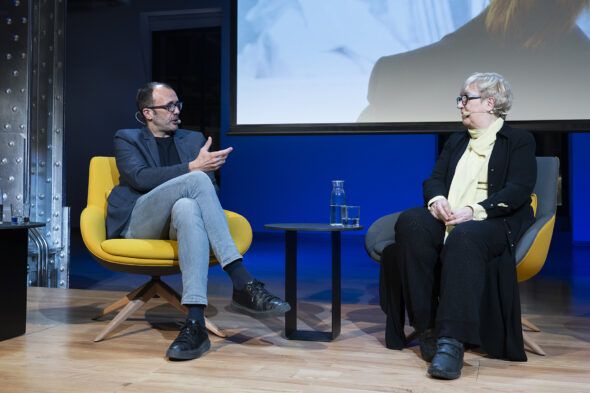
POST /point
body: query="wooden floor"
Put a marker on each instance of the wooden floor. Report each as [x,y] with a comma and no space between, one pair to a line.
[57,354]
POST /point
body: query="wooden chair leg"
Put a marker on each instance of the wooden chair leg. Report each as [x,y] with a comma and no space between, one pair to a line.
[532,345]
[122,302]
[529,325]
[134,304]
[172,297]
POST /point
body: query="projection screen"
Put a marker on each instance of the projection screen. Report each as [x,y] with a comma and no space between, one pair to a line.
[398,65]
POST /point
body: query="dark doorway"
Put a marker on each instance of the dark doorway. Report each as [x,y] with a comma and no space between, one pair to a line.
[190,61]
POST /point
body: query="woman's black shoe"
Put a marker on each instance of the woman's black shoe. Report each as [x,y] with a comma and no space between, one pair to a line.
[191,343]
[255,300]
[427,341]
[448,361]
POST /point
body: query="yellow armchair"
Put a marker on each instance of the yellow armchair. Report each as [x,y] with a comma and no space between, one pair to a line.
[142,256]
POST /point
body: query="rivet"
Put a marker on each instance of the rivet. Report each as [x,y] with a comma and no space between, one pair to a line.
[22,90]
[11,143]
[51,261]
[23,55]
[56,214]
[56,197]
[57,130]
[8,56]
[16,3]
[42,163]
[8,21]
[10,178]
[58,163]
[19,160]
[56,242]
[56,228]
[62,283]
[14,108]
[7,126]
[15,73]
[22,126]
[41,213]
[62,255]
[5,160]
[19,197]
[41,196]
[8,91]
[61,269]
[15,38]
[23,20]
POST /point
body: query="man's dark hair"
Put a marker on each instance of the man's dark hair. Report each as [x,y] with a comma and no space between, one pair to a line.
[145,97]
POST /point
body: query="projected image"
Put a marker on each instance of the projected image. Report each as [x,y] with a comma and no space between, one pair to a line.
[347,61]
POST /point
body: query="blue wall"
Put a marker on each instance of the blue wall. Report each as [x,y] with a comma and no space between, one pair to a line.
[272,179]
[580,187]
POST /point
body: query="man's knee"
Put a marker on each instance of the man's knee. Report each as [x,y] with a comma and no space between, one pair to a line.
[185,209]
[198,179]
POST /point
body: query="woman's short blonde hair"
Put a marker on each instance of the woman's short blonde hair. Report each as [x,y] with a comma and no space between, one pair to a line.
[490,84]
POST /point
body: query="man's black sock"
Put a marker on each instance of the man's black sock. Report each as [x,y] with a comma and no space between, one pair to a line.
[238,274]
[196,312]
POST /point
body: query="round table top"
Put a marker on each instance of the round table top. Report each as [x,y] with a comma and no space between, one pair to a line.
[25,225]
[312,227]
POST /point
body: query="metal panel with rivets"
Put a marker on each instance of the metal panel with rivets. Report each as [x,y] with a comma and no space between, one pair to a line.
[31,109]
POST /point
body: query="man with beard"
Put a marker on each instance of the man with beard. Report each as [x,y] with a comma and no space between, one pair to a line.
[167,191]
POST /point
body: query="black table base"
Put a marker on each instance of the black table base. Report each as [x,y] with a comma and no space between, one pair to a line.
[291,331]
[14,241]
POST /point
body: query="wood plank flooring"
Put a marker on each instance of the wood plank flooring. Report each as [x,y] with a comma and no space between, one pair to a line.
[57,353]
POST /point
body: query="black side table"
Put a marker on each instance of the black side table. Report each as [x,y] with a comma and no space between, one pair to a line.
[291,278]
[13,278]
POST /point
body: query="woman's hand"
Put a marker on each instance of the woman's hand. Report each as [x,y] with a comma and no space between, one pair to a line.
[441,210]
[460,215]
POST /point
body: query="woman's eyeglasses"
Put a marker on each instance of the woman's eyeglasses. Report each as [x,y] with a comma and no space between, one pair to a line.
[465,98]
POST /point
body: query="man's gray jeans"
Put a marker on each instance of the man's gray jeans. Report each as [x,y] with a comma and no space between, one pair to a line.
[186,209]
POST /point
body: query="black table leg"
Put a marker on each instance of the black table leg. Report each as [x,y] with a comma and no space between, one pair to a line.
[336,287]
[291,331]
[291,281]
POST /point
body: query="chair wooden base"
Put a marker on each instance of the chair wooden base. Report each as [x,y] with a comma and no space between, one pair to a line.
[135,299]
[529,342]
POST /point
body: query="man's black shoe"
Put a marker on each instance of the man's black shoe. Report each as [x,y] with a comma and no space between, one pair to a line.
[448,361]
[427,341]
[191,343]
[255,300]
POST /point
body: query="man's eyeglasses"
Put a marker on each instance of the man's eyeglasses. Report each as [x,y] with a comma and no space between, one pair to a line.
[169,107]
[465,98]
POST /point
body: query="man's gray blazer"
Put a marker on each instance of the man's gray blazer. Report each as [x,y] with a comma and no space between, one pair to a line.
[139,167]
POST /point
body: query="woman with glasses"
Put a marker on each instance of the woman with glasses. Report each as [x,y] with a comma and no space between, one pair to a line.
[452,262]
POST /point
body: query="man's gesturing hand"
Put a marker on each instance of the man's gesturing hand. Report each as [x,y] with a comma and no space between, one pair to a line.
[208,161]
